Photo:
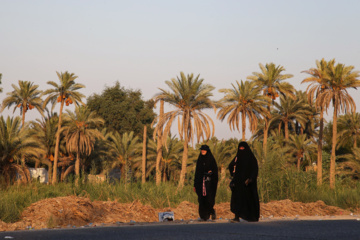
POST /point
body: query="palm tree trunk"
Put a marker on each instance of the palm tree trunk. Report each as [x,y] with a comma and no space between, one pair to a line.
[164,174]
[319,154]
[49,164]
[68,170]
[22,125]
[77,167]
[62,173]
[185,152]
[126,171]
[122,171]
[298,163]
[23,116]
[56,157]
[243,118]
[286,126]
[159,145]
[266,129]
[355,142]
[222,173]
[279,128]
[333,147]
[143,174]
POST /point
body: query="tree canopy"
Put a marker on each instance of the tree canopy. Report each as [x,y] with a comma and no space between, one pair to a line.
[123,109]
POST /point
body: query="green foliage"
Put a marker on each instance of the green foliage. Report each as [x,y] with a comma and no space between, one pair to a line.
[15,142]
[16,198]
[290,112]
[45,133]
[273,185]
[170,163]
[276,182]
[123,110]
[123,152]
[348,130]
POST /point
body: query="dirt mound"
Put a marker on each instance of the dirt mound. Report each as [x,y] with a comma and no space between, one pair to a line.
[287,208]
[78,211]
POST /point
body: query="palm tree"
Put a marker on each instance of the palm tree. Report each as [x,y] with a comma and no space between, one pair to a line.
[16,141]
[312,119]
[349,125]
[100,158]
[288,111]
[159,145]
[81,131]
[270,80]
[123,151]
[301,147]
[45,132]
[25,96]
[245,100]
[340,78]
[351,164]
[170,156]
[189,96]
[171,160]
[143,160]
[317,85]
[63,93]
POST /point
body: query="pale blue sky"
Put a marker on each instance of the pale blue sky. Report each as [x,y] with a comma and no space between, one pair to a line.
[143,43]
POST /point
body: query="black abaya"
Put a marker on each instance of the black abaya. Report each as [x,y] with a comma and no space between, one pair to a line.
[244,198]
[205,183]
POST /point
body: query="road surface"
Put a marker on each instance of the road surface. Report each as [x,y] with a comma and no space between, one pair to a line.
[268,230]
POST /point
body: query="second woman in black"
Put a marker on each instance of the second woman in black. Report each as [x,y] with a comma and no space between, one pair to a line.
[244,198]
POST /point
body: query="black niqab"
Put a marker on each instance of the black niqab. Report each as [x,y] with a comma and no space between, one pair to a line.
[244,198]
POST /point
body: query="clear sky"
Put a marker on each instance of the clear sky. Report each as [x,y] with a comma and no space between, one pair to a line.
[143,43]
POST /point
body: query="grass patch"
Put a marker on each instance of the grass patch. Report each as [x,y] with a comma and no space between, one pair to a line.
[293,185]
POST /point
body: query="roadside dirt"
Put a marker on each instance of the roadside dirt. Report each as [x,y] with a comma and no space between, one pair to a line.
[74,211]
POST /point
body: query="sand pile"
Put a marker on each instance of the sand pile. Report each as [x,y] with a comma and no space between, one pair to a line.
[78,211]
[287,208]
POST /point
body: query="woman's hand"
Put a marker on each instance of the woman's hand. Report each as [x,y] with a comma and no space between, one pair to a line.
[232,185]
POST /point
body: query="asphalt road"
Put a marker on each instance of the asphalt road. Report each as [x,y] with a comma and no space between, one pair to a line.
[296,229]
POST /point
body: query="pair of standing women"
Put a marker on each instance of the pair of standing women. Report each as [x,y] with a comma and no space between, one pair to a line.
[243,169]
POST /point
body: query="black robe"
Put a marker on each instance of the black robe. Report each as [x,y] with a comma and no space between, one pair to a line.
[206,163]
[244,199]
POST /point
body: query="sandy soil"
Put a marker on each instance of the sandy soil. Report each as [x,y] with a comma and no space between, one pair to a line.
[74,211]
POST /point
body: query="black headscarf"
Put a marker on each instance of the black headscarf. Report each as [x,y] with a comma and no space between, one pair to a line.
[205,163]
[246,163]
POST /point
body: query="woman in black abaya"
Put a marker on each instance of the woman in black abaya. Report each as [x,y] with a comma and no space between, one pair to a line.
[205,183]
[244,198]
